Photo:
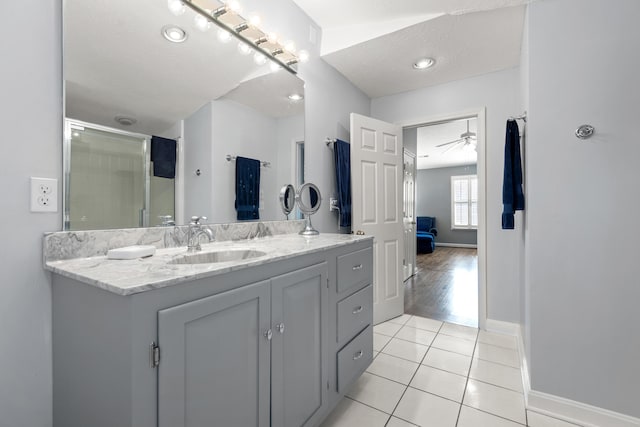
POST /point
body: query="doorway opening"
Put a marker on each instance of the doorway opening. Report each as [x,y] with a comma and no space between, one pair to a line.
[448,278]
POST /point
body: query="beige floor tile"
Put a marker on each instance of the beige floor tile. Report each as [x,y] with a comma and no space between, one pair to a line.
[401,320]
[448,361]
[426,409]
[379,341]
[393,368]
[378,392]
[350,413]
[387,328]
[405,350]
[539,420]
[459,331]
[424,323]
[397,422]
[470,417]
[443,383]
[456,345]
[499,340]
[420,336]
[495,400]
[496,374]
[495,354]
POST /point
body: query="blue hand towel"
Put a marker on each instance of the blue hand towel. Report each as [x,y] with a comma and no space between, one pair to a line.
[342,157]
[247,188]
[163,156]
[512,194]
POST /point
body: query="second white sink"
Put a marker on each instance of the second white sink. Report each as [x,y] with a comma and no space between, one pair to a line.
[218,256]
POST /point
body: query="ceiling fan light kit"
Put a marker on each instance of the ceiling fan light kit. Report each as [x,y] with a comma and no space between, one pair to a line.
[466,141]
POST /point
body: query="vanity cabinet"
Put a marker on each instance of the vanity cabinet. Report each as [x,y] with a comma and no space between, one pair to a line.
[277,345]
[220,353]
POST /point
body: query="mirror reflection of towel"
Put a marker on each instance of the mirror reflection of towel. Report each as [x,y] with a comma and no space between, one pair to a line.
[247,188]
[163,156]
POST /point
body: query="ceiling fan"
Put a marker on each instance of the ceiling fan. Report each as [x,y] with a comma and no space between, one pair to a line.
[467,140]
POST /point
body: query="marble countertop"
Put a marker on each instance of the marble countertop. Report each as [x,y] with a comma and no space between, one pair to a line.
[127,277]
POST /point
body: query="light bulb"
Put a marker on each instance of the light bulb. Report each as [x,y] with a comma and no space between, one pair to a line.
[224,35]
[244,48]
[289,46]
[275,66]
[234,6]
[201,22]
[303,56]
[259,58]
[272,37]
[255,20]
[176,7]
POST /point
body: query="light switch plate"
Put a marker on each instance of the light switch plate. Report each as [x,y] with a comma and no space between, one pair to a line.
[44,194]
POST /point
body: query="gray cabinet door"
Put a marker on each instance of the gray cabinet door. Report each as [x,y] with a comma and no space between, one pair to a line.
[214,366]
[299,323]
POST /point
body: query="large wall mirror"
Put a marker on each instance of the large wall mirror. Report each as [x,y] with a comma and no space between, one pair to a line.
[127,81]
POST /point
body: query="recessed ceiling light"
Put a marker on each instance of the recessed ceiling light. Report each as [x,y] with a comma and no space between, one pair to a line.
[296,97]
[424,63]
[174,33]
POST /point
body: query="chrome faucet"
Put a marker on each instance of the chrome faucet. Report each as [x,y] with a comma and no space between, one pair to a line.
[195,231]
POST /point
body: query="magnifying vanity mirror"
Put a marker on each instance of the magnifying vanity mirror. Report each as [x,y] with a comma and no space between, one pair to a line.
[287,199]
[127,79]
[309,201]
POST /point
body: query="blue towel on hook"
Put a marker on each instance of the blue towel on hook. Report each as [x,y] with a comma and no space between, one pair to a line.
[163,156]
[247,188]
[512,194]
[342,157]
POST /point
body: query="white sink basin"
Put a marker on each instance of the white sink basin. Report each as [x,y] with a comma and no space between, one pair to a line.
[218,256]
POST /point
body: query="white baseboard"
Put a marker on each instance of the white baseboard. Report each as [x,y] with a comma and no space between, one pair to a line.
[456,245]
[555,406]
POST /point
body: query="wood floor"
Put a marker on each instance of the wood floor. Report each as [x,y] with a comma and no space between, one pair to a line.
[445,286]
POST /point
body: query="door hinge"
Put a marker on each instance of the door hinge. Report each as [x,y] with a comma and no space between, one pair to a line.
[154,354]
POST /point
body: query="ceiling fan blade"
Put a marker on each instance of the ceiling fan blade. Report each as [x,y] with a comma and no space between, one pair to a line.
[452,142]
[453,146]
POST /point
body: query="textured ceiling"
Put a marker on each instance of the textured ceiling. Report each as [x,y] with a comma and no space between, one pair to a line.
[374,43]
[439,157]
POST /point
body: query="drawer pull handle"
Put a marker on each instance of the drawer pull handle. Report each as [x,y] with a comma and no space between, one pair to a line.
[268,334]
[357,267]
[280,327]
[358,309]
[358,355]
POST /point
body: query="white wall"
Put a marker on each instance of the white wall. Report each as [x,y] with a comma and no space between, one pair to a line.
[498,92]
[198,134]
[31,119]
[582,245]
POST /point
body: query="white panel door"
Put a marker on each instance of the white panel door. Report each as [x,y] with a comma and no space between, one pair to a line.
[376,197]
[409,214]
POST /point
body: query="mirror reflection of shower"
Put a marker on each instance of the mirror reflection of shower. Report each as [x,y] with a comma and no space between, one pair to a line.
[108,180]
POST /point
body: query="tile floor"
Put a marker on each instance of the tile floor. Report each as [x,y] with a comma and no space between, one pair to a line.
[437,374]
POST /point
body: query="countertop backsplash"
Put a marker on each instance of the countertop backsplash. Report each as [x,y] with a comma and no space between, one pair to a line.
[64,245]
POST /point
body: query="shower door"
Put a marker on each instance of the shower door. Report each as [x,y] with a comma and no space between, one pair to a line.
[106,178]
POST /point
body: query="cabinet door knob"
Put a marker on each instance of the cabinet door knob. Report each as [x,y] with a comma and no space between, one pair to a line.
[280,327]
[357,267]
[358,355]
[268,334]
[357,309]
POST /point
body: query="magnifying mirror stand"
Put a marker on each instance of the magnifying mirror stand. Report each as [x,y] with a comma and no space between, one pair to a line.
[308,229]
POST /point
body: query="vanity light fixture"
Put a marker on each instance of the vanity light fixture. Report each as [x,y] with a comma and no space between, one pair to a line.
[424,63]
[174,33]
[251,37]
[295,97]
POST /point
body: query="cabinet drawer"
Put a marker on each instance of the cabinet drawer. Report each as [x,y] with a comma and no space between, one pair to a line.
[354,358]
[355,313]
[355,269]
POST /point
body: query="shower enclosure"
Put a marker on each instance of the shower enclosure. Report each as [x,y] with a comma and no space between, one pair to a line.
[108,183]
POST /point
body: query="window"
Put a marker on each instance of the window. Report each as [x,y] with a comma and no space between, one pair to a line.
[464,202]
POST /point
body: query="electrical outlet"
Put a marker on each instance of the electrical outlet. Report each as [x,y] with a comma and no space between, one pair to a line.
[44,195]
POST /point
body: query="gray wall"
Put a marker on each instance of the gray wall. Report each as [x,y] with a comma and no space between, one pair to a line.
[410,139]
[498,92]
[583,293]
[31,119]
[433,198]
